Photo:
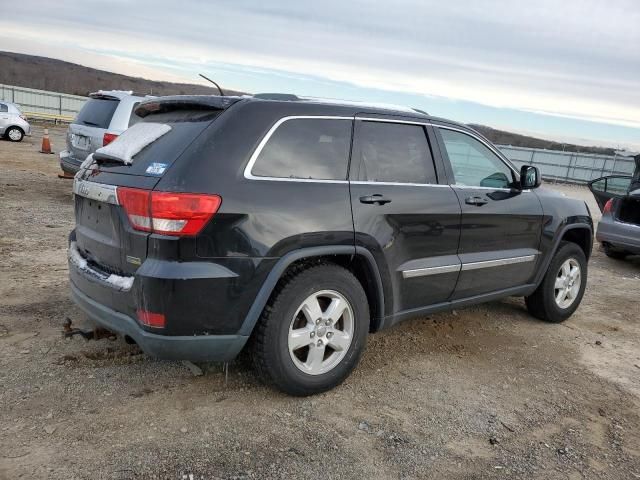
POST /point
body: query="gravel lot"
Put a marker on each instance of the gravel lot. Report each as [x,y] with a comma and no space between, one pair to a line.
[484,392]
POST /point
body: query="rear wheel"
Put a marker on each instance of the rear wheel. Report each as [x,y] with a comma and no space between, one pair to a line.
[14,134]
[313,331]
[612,252]
[562,287]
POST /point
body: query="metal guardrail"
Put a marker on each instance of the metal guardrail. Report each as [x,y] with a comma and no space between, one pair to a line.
[569,167]
[43,104]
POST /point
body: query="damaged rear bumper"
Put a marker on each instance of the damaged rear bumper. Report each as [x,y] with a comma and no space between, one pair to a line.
[196,348]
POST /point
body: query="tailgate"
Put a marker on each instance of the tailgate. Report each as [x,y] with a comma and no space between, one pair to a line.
[104,236]
[83,140]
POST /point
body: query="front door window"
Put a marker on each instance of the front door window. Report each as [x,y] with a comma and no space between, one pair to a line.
[473,163]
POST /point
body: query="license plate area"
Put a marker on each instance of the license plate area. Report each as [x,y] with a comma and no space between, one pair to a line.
[97,216]
[80,141]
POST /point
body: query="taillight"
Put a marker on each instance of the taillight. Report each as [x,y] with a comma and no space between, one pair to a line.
[150,319]
[108,138]
[167,213]
[608,206]
[182,213]
[24,117]
[136,203]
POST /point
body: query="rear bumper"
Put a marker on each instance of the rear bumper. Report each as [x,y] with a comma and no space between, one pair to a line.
[68,163]
[205,303]
[195,348]
[621,235]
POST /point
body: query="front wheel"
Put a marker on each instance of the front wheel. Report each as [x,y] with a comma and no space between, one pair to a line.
[313,330]
[14,134]
[562,287]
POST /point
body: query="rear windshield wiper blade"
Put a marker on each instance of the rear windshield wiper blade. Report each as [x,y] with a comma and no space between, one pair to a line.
[91,124]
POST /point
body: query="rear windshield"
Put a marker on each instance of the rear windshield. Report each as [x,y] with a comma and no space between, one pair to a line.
[156,158]
[97,112]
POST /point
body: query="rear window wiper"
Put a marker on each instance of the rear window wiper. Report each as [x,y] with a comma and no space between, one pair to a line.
[91,124]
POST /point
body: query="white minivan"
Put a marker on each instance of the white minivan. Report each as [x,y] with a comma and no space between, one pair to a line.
[104,116]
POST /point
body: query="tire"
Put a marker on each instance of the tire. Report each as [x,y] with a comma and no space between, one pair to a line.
[543,303]
[611,252]
[14,134]
[298,371]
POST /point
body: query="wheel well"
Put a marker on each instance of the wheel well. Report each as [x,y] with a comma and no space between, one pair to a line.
[14,126]
[580,236]
[360,267]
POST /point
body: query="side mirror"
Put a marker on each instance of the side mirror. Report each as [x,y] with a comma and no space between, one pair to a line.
[530,177]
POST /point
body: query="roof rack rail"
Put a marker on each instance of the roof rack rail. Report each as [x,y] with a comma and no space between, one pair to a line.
[289,97]
[277,96]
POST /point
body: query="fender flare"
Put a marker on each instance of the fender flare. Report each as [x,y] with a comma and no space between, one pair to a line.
[542,271]
[285,261]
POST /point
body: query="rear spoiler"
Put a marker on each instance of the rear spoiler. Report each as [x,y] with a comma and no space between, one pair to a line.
[184,102]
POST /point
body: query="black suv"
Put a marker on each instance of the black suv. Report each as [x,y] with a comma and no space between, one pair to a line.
[297,226]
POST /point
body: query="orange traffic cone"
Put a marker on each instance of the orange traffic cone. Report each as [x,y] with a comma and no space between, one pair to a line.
[46,144]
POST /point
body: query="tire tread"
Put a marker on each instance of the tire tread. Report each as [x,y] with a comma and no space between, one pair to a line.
[541,303]
[265,365]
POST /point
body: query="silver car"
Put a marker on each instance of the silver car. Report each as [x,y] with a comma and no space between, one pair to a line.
[13,124]
[104,116]
[618,197]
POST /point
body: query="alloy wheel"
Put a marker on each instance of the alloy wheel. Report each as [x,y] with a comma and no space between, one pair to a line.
[321,332]
[567,284]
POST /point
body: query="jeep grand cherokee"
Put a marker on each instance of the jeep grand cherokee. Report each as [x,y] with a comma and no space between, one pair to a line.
[295,227]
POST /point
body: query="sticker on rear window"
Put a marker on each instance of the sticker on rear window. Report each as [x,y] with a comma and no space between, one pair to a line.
[156,168]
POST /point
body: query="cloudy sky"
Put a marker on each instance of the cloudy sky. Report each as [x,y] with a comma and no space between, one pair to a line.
[568,70]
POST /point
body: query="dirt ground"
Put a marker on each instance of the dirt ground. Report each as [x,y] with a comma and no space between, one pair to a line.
[484,392]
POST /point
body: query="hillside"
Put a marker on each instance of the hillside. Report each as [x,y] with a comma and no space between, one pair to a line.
[65,77]
[501,137]
[27,71]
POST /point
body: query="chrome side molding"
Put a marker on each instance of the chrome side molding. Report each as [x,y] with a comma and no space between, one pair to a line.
[423,272]
[498,263]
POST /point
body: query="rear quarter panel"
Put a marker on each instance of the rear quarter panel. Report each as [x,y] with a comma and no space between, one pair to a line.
[257,218]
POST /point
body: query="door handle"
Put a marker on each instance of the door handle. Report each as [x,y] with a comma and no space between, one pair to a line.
[478,201]
[375,198]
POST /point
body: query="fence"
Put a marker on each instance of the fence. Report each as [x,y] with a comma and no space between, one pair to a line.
[567,166]
[43,104]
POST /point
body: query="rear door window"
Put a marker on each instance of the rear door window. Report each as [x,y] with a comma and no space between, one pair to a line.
[3,108]
[306,148]
[97,112]
[392,152]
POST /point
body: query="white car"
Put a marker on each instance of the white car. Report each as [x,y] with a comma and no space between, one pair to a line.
[13,124]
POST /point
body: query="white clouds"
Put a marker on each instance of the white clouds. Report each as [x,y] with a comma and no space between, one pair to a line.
[575,58]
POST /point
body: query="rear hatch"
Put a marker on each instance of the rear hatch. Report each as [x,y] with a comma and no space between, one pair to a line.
[86,133]
[619,195]
[104,234]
